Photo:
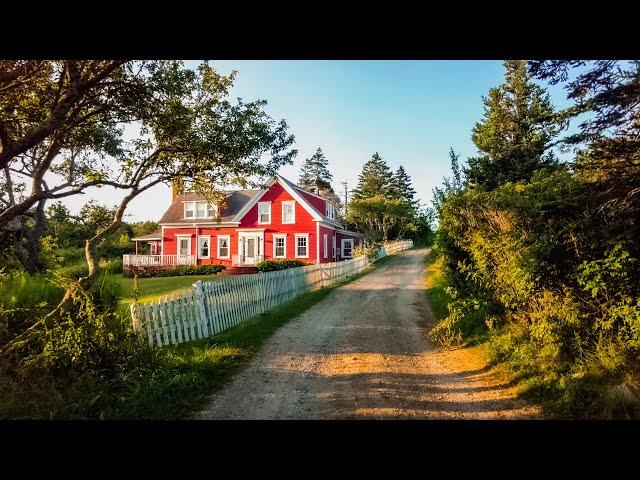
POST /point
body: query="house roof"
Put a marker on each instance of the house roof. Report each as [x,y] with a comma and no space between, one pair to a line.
[150,236]
[235,201]
[240,201]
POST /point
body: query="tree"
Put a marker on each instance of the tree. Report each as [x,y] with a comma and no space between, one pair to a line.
[402,186]
[375,179]
[376,216]
[186,129]
[315,176]
[450,185]
[518,127]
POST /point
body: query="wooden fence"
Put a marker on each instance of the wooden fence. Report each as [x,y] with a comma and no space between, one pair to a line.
[214,306]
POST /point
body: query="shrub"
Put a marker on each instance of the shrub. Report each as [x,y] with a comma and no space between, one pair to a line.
[273,265]
[370,252]
[146,272]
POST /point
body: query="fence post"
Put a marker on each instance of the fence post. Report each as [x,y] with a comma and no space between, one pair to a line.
[199,298]
[135,318]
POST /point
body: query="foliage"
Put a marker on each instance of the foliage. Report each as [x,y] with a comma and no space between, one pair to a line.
[186,270]
[375,179]
[273,265]
[315,175]
[518,127]
[371,251]
[377,216]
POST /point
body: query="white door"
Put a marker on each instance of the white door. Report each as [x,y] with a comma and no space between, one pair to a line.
[184,250]
[250,250]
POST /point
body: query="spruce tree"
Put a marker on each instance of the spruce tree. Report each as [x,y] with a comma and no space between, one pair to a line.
[375,179]
[402,186]
[517,129]
[315,176]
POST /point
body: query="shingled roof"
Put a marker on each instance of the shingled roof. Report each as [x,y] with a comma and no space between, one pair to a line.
[235,201]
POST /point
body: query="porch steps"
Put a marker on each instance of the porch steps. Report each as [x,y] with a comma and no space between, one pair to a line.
[240,270]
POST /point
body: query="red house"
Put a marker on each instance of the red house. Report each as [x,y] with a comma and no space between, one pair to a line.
[281,221]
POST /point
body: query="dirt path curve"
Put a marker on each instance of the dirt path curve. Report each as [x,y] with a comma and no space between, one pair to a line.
[362,353]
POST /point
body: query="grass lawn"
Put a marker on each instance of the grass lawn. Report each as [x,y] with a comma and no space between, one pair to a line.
[192,371]
[435,285]
[156,287]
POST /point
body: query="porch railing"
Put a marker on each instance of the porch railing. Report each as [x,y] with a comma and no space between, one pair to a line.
[157,260]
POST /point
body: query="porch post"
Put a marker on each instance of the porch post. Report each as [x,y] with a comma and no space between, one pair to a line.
[136,247]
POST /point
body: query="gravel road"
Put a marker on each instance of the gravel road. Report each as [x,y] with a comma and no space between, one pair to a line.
[363,353]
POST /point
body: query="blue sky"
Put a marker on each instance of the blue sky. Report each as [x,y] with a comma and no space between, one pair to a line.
[410,112]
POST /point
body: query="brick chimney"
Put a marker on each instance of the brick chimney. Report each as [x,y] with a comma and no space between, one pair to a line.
[177,188]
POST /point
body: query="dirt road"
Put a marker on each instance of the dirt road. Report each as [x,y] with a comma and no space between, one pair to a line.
[362,353]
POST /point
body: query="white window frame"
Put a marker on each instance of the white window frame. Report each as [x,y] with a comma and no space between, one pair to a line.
[293,204]
[180,236]
[326,245]
[209,210]
[295,245]
[184,210]
[330,210]
[284,237]
[228,239]
[200,238]
[342,247]
[260,222]
[333,246]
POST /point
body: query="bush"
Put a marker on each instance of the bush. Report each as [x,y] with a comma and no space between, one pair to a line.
[146,272]
[370,252]
[273,265]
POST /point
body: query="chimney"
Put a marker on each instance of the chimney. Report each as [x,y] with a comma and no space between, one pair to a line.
[177,188]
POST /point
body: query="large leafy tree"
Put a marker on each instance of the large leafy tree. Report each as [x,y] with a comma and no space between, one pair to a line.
[378,216]
[515,134]
[183,125]
[375,179]
[315,176]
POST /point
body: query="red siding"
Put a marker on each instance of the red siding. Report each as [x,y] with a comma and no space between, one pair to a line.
[318,203]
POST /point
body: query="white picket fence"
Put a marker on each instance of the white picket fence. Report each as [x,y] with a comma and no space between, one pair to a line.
[214,306]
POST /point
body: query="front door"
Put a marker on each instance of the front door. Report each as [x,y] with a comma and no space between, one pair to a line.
[251,248]
[184,250]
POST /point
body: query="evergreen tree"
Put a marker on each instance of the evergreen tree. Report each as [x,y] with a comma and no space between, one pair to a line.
[375,179]
[518,126]
[402,186]
[315,176]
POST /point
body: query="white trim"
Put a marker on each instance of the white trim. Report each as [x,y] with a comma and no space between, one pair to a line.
[299,198]
[342,247]
[282,204]
[179,237]
[279,235]
[295,244]
[214,208]
[334,246]
[228,238]
[151,239]
[318,242]
[201,224]
[325,245]
[200,237]
[259,220]
[162,240]
[259,235]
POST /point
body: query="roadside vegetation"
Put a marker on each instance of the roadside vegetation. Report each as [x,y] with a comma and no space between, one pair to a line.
[539,258]
[94,366]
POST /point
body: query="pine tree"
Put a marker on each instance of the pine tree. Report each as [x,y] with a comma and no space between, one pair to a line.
[517,129]
[402,186]
[375,179]
[315,176]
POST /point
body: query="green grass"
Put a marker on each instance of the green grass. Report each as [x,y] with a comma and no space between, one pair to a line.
[191,372]
[156,287]
[436,285]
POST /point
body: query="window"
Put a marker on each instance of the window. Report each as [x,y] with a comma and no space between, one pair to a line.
[279,246]
[223,246]
[333,246]
[326,245]
[264,212]
[289,211]
[199,210]
[302,245]
[204,242]
[347,247]
[331,211]
[184,244]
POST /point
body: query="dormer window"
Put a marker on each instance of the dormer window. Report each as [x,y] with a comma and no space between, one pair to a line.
[196,210]
[331,211]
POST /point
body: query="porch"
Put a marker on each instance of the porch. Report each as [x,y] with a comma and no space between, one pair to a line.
[169,261]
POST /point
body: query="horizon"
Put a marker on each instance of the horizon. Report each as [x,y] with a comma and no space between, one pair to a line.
[410,112]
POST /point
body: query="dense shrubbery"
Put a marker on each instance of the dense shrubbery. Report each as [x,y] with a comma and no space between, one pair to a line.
[273,265]
[546,269]
[144,272]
